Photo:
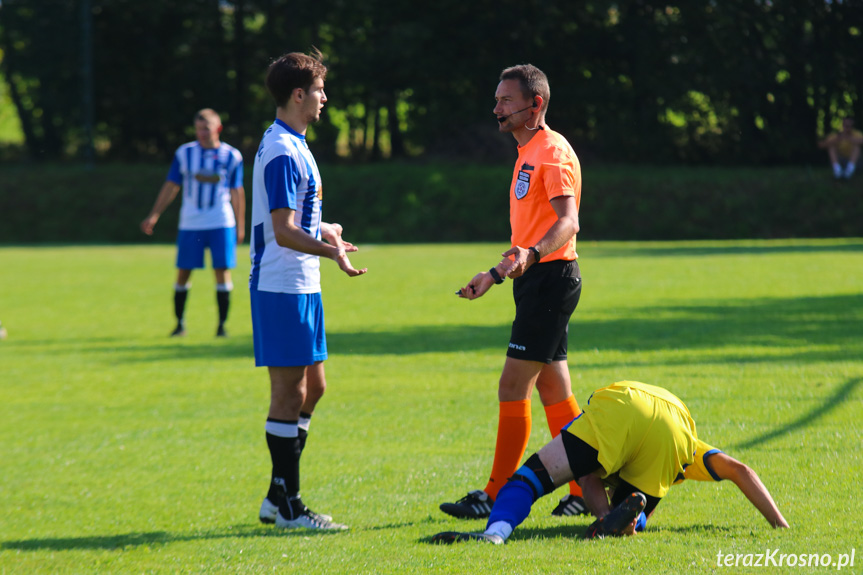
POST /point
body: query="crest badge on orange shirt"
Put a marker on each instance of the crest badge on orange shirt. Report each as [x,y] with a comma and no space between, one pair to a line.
[522,185]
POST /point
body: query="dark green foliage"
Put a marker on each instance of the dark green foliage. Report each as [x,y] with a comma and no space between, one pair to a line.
[718,203]
[722,83]
[406,203]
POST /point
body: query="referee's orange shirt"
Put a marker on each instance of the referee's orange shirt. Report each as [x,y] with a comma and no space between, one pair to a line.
[547,168]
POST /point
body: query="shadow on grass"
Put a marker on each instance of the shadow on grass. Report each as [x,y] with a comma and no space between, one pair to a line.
[121,350]
[695,529]
[125,540]
[803,326]
[814,329]
[566,531]
[576,532]
[717,250]
[838,398]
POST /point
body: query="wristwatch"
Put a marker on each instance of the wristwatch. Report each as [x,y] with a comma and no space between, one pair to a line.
[536,256]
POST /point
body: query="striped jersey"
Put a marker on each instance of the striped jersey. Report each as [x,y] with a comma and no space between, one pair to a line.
[206,176]
[285,176]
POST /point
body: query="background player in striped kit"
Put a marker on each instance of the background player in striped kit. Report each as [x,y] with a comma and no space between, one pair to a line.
[212,214]
[285,281]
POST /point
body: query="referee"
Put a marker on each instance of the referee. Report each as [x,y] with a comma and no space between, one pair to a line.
[544,199]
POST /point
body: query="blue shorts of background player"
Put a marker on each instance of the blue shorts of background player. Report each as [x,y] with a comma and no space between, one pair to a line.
[191,244]
[222,243]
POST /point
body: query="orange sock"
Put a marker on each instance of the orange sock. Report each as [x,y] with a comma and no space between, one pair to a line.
[558,415]
[513,431]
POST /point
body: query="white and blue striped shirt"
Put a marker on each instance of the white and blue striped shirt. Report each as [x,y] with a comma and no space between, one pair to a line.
[285,176]
[207,176]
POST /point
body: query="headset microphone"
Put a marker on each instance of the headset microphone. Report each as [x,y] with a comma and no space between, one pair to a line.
[502,119]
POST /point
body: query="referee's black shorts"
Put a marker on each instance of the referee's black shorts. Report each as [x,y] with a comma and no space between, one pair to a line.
[545,297]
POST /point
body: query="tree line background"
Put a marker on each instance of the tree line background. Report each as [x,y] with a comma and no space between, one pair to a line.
[691,81]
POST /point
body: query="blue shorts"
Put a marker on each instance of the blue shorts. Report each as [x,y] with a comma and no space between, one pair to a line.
[288,329]
[222,243]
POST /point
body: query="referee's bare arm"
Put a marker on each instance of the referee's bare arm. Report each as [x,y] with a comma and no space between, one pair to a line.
[557,235]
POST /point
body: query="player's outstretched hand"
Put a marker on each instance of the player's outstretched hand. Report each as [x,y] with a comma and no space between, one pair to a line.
[332,234]
[346,266]
[328,230]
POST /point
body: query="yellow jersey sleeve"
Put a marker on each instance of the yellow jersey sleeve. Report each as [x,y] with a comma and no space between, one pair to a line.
[700,470]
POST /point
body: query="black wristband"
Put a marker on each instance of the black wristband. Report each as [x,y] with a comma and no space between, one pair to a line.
[536,255]
[495,276]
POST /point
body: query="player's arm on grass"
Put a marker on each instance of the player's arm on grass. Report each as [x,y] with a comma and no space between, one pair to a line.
[163,200]
[558,234]
[289,235]
[726,467]
[238,202]
[595,495]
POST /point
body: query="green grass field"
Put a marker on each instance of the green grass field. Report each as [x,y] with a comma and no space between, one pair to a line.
[125,451]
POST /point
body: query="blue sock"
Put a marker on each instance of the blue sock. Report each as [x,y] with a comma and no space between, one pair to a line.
[642,522]
[512,504]
[527,475]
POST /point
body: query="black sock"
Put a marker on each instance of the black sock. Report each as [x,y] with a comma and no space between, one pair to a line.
[285,456]
[180,304]
[303,433]
[223,298]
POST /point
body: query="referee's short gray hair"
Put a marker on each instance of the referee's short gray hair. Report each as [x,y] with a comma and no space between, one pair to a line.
[533,82]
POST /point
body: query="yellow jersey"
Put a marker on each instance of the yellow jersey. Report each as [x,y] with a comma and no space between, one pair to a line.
[641,432]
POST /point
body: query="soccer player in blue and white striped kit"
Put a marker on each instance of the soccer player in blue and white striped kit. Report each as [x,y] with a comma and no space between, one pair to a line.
[212,213]
[285,280]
